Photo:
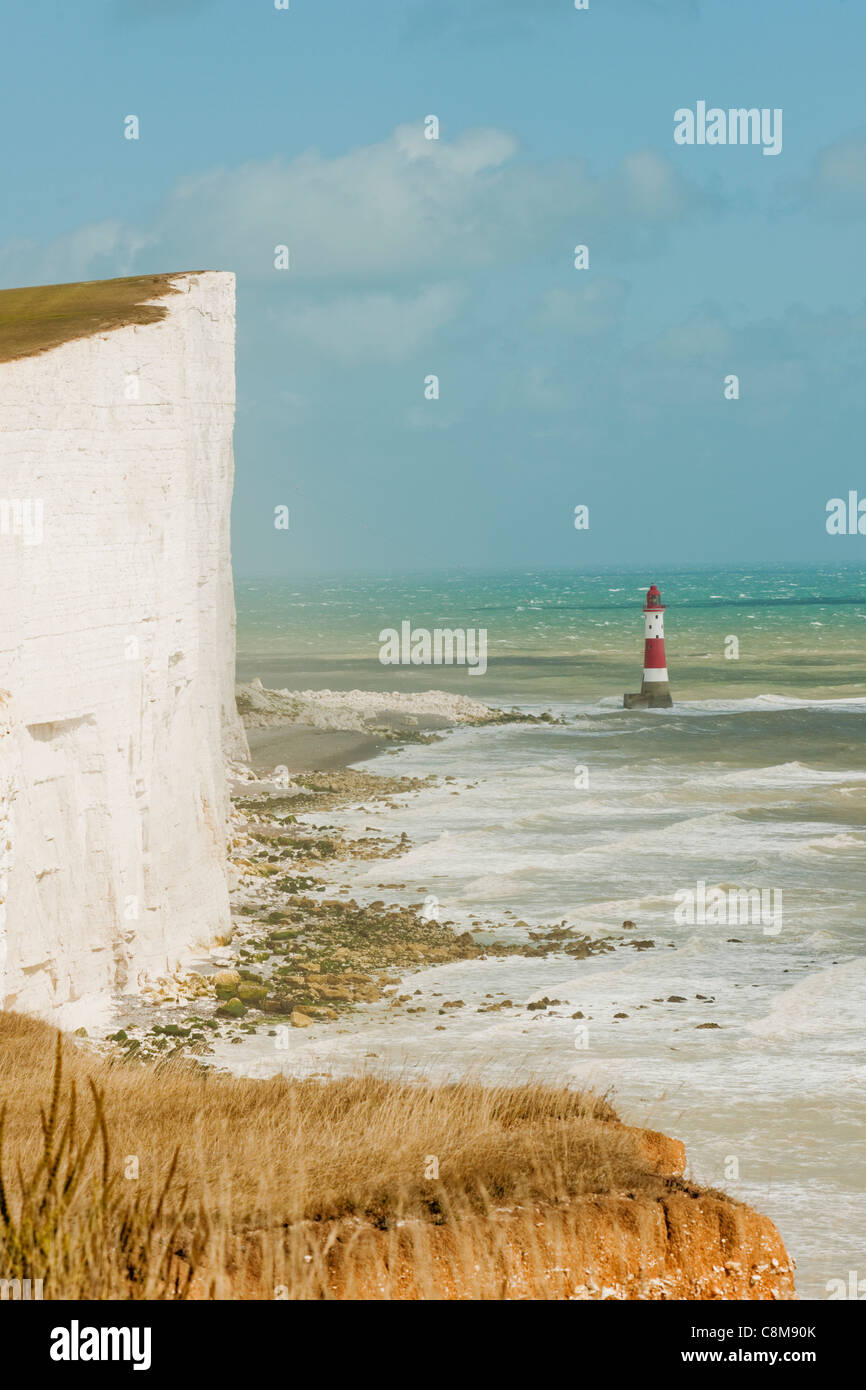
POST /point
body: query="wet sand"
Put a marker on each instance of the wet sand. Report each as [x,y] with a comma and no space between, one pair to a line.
[301,748]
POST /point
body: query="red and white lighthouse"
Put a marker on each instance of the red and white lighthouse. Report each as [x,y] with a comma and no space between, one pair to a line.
[655,692]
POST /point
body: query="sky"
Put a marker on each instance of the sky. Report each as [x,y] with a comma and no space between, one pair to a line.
[602,387]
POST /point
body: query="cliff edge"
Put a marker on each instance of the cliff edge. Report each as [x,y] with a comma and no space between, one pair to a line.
[116,632]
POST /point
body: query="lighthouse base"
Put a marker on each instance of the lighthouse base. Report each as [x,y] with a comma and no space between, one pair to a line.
[650,698]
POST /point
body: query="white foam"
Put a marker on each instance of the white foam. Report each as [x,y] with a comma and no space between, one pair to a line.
[829,1002]
[841,844]
[780,775]
[767,702]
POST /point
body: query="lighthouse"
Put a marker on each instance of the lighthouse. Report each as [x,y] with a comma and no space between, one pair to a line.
[655,691]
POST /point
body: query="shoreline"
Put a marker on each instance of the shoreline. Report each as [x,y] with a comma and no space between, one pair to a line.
[302,748]
[304,949]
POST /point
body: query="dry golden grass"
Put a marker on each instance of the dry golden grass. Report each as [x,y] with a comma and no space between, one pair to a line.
[40,317]
[247,1186]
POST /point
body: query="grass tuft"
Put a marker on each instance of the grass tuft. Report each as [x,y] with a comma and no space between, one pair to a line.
[81,1233]
[318,1188]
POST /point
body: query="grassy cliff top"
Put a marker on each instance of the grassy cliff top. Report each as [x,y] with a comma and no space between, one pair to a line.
[355,1187]
[41,317]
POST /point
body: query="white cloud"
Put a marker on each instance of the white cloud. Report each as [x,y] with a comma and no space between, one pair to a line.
[380,210]
[96,250]
[408,205]
[376,327]
[404,208]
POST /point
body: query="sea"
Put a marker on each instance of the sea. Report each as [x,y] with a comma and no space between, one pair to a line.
[737,1030]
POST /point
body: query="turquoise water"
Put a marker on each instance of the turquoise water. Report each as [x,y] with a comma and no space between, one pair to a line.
[755,780]
[565,635]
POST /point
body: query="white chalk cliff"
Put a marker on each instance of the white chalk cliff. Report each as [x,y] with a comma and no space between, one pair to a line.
[116,652]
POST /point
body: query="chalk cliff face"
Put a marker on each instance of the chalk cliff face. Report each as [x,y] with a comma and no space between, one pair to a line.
[116,651]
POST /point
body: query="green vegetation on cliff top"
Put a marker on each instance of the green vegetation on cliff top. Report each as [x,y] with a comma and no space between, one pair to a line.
[40,317]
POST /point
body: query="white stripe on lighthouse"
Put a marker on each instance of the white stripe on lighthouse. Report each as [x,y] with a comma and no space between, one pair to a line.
[661,675]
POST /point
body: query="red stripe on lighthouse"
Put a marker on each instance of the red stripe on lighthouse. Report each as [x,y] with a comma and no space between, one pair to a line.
[654,654]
